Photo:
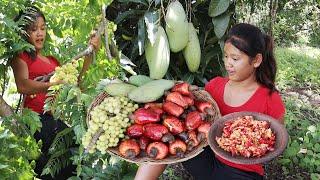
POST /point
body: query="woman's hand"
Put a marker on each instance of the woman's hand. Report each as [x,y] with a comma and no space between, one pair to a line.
[94,41]
[57,82]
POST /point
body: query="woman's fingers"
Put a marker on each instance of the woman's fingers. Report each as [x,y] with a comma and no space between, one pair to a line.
[94,40]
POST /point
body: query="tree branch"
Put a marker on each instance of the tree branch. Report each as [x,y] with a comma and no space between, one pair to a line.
[5,109]
[106,35]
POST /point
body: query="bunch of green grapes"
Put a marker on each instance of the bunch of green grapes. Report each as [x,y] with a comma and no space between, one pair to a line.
[67,73]
[109,121]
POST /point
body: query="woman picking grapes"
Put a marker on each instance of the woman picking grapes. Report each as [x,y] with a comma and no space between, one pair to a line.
[27,66]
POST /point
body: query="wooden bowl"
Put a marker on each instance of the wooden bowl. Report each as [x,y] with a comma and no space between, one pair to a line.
[276,127]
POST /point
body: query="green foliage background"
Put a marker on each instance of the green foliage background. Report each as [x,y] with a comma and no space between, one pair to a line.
[70,23]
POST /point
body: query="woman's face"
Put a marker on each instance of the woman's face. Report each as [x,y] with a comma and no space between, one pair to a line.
[237,63]
[37,33]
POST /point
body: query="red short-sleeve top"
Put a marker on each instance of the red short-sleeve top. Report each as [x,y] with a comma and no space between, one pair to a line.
[37,68]
[261,101]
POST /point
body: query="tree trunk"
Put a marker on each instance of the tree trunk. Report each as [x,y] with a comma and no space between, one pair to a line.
[272,14]
[5,109]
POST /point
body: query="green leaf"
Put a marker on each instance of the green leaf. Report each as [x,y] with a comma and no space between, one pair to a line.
[309,152]
[141,35]
[295,144]
[221,24]
[135,1]
[4,134]
[189,77]
[74,91]
[31,119]
[169,76]
[128,14]
[285,161]
[151,19]
[218,7]
[74,178]
[2,166]
[57,31]
[221,43]
[79,131]
[315,176]
[156,2]
[86,99]
[316,147]
[306,160]
[11,146]
[291,151]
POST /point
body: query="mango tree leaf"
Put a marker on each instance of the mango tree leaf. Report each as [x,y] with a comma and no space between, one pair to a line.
[127,14]
[221,24]
[206,59]
[128,69]
[157,2]
[201,78]
[74,178]
[141,35]
[169,76]
[135,1]
[218,7]
[2,166]
[189,77]
[221,43]
[151,19]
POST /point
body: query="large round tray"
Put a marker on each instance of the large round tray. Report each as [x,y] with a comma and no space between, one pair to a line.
[199,95]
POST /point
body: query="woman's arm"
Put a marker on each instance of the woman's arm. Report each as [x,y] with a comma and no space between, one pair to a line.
[24,84]
[95,42]
[149,171]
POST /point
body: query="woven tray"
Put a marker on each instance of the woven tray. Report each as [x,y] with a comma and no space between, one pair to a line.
[279,130]
[199,95]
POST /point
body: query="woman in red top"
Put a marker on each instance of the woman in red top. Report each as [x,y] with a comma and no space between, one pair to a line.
[29,65]
[251,68]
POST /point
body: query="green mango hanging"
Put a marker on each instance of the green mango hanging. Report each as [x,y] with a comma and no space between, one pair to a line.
[176,26]
[158,55]
[192,52]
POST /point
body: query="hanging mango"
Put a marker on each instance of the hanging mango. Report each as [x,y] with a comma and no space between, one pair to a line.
[176,26]
[192,52]
[158,55]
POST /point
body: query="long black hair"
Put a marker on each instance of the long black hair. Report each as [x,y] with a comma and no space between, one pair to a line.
[252,41]
[25,19]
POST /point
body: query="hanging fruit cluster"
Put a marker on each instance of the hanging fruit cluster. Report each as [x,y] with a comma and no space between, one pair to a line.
[179,35]
[67,73]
